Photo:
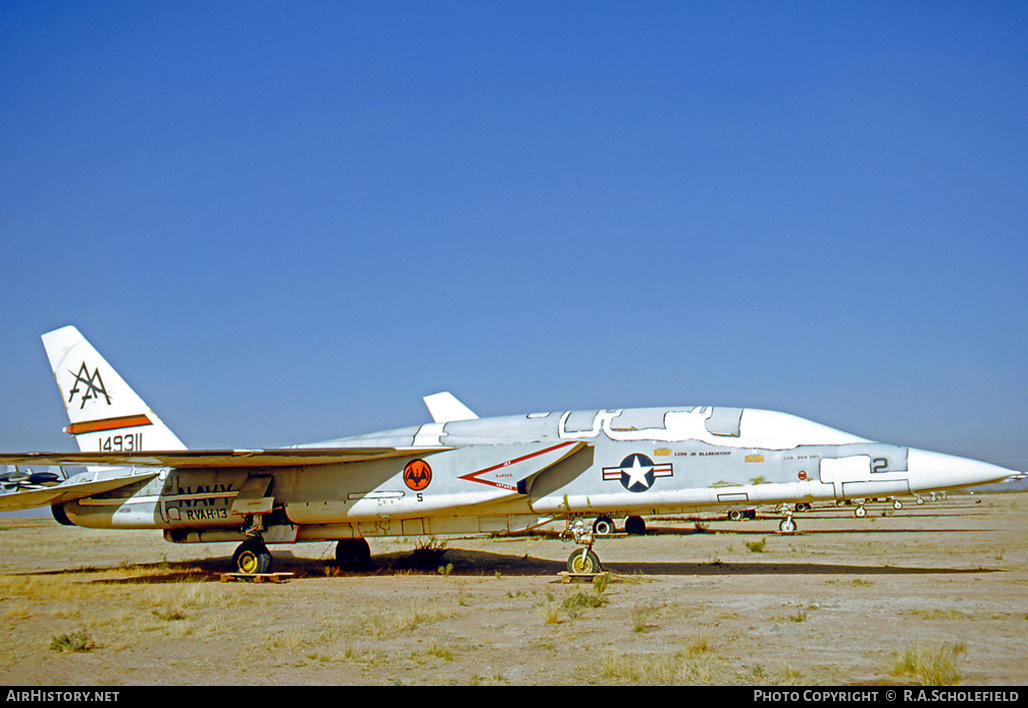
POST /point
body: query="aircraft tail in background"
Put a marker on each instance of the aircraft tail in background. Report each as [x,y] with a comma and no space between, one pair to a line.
[105,414]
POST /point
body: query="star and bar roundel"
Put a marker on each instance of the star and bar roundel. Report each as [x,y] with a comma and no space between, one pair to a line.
[637,472]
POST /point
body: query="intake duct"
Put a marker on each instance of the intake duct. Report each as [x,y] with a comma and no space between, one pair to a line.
[60,516]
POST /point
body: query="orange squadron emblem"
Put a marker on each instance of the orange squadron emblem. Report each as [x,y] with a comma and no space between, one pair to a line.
[417,474]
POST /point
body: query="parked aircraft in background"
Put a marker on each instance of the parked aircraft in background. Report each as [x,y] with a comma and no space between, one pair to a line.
[456,475]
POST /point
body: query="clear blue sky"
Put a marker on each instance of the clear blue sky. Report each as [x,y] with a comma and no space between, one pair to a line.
[284,222]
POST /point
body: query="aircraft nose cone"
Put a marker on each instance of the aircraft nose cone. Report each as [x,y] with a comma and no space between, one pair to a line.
[935,470]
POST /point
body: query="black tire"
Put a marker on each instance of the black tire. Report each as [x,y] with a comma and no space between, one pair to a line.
[603,526]
[252,558]
[583,560]
[352,553]
[635,525]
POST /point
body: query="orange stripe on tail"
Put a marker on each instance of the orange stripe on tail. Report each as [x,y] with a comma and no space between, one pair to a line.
[92,426]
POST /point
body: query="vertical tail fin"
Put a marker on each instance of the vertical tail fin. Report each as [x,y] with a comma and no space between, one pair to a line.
[105,414]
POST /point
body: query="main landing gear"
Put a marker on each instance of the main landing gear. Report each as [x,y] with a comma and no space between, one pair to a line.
[252,556]
[352,553]
[604,526]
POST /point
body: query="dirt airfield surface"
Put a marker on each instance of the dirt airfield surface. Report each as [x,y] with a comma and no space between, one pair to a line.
[928,594]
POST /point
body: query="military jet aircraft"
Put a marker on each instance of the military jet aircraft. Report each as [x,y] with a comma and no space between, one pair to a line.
[456,475]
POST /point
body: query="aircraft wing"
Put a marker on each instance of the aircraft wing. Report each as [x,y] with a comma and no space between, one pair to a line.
[17,501]
[193,459]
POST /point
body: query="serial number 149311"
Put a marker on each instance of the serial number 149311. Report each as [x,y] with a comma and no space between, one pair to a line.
[122,443]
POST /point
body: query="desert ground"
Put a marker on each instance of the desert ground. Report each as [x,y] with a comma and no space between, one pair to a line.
[930,594]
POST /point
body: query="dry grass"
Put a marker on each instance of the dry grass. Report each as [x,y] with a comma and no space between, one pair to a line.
[928,663]
[405,618]
[696,663]
[834,605]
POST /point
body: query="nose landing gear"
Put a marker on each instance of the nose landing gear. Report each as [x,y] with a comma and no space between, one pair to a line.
[787,525]
[582,561]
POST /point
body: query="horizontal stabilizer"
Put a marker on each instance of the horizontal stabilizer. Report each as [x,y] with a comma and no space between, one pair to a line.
[214,459]
[17,501]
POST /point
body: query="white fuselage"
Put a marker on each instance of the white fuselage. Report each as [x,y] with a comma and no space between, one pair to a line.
[505,474]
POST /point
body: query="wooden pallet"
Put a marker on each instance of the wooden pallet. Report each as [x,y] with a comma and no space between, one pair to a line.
[257,577]
[567,577]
